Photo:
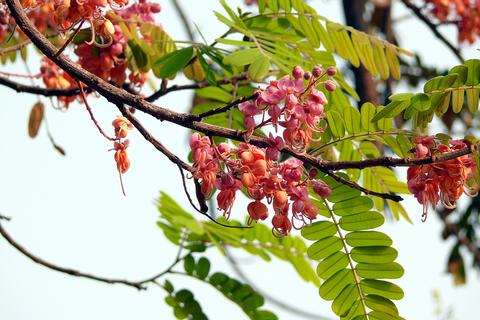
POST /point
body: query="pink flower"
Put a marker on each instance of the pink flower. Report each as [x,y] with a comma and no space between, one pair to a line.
[291,170]
[321,188]
[257,210]
[281,223]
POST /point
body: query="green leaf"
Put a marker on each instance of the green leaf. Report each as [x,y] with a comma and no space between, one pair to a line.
[332,287]
[333,263]
[335,123]
[458,97]
[203,268]
[351,117]
[319,230]
[242,57]
[382,304]
[171,63]
[382,288]
[353,206]
[377,315]
[472,99]
[367,239]
[343,193]
[345,300]
[362,221]
[390,270]
[367,113]
[259,68]
[168,286]
[473,76]
[189,264]
[323,35]
[308,31]
[374,254]
[421,102]
[141,58]
[324,247]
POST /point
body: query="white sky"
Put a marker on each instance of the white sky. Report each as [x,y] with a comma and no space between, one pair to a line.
[70,211]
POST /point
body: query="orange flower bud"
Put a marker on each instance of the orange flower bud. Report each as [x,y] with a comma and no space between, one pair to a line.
[257,210]
[247,157]
[121,158]
[280,199]
[248,179]
[259,167]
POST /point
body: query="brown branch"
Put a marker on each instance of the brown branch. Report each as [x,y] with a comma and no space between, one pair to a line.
[150,138]
[184,18]
[226,107]
[70,39]
[119,96]
[140,285]
[199,85]
[22,88]
[72,272]
[355,185]
[417,11]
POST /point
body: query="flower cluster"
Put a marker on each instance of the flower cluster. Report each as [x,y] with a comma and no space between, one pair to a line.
[67,13]
[121,127]
[291,104]
[465,14]
[143,9]
[442,181]
[280,184]
[55,78]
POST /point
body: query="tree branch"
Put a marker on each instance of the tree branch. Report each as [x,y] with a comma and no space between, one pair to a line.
[199,85]
[183,17]
[72,272]
[119,96]
[140,285]
[417,11]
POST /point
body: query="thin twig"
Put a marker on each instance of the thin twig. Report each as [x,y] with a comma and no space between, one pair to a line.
[198,85]
[69,271]
[226,107]
[417,11]
[355,185]
[191,121]
[185,20]
[70,39]
[90,112]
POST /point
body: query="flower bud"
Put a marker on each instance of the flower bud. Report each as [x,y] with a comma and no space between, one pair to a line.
[297,72]
[317,71]
[247,157]
[312,173]
[280,199]
[331,71]
[259,167]
[307,75]
[248,179]
[330,85]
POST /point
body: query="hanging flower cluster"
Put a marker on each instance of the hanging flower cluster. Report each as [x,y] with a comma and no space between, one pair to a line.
[121,127]
[465,14]
[298,108]
[107,61]
[55,78]
[443,181]
[291,104]
[67,13]
[282,185]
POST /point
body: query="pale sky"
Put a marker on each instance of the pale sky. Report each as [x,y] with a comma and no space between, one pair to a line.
[70,211]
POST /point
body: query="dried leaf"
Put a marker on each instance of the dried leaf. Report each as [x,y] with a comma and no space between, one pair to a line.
[35,119]
[60,150]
